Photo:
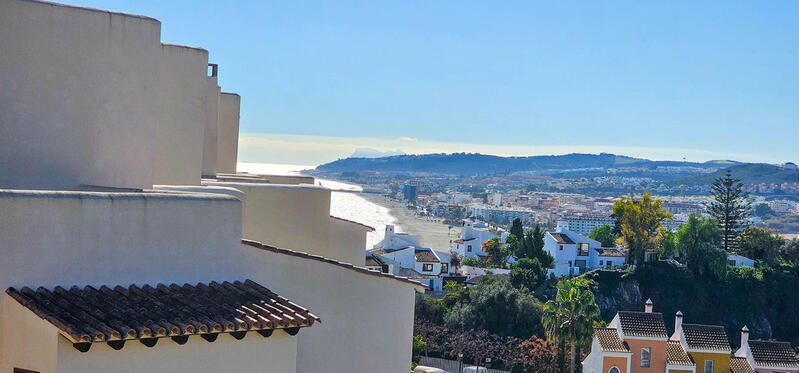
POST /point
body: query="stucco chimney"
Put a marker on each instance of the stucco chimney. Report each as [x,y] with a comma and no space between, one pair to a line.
[648,306]
[744,338]
[678,322]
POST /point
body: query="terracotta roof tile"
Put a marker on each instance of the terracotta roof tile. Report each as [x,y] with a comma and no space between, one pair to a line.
[706,337]
[349,266]
[87,315]
[425,256]
[642,324]
[609,340]
[740,365]
[773,354]
[676,355]
[562,238]
[609,252]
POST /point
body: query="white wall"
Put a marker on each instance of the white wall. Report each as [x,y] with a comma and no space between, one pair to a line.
[179,134]
[211,124]
[289,216]
[254,353]
[76,82]
[347,241]
[367,321]
[74,238]
[228,132]
[26,341]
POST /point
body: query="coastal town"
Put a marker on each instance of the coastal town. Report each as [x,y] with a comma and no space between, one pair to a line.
[135,237]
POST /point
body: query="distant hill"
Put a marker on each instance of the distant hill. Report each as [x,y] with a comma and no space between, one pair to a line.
[475,163]
[749,173]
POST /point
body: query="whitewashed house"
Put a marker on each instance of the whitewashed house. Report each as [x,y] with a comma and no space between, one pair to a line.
[575,253]
[736,260]
[473,235]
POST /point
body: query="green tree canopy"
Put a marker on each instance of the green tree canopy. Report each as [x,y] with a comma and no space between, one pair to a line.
[604,234]
[641,225]
[730,208]
[699,240]
[497,252]
[499,308]
[517,229]
[761,244]
[527,273]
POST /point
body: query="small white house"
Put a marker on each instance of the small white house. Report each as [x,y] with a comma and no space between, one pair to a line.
[736,260]
[473,235]
[418,263]
[394,241]
[575,253]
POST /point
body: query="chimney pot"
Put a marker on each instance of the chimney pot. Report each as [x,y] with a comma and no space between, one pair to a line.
[744,337]
[648,306]
[678,322]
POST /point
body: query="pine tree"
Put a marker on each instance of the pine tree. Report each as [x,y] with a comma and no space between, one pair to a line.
[730,207]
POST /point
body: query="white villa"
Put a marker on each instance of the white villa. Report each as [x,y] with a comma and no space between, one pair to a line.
[130,242]
[473,235]
[575,253]
[401,254]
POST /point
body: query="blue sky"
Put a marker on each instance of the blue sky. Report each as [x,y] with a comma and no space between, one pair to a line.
[695,79]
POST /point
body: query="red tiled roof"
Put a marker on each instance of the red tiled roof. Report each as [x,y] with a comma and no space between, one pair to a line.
[642,324]
[706,337]
[740,365]
[609,340]
[87,315]
[370,229]
[773,354]
[676,355]
[425,256]
[319,258]
[609,252]
[562,238]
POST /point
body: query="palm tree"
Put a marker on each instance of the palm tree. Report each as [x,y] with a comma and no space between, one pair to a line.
[570,316]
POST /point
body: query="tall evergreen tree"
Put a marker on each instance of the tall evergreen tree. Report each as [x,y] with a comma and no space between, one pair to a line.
[730,208]
[516,229]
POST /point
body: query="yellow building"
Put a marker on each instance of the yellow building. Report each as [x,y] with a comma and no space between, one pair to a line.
[707,345]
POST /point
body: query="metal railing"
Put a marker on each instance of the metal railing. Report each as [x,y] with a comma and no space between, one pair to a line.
[454,366]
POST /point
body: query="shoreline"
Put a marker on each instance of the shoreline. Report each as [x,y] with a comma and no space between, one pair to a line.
[433,234]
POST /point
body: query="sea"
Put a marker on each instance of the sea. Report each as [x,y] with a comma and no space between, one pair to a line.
[345,200]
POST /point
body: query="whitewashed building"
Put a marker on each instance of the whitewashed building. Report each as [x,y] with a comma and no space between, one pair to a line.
[575,253]
[474,234]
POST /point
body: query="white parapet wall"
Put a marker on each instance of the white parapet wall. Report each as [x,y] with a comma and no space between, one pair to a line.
[348,241]
[84,238]
[211,124]
[76,83]
[289,216]
[178,156]
[228,132]
[367,319]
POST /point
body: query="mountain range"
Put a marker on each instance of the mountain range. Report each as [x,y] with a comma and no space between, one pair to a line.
[479,164]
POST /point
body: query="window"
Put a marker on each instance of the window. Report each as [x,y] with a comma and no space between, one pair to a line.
[645,354]
[582,249]
[601,263]
[708,366]
[560,247]
[570,263]
[427,267]
[469,248]
[444,267]
[614,370]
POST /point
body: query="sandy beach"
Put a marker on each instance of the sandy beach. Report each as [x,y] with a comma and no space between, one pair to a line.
[433,234]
